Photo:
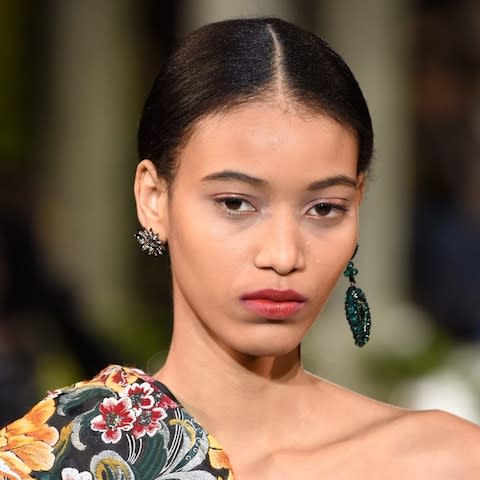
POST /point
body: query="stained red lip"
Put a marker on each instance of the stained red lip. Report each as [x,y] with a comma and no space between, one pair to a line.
[274,304]
[274,295]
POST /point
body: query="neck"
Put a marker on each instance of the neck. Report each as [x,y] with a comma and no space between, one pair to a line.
[232,394]
[196,362]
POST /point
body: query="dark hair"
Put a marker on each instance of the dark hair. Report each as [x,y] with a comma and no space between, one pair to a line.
[224,64]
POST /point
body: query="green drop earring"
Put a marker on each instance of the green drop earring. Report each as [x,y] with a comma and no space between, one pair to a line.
[357,310]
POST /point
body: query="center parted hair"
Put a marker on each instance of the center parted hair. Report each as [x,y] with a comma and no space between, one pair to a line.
[224,64]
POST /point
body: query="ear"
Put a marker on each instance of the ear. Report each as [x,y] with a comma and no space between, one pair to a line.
[361,178]
[151,195]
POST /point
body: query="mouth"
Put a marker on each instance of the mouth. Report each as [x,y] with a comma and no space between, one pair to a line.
[274,304]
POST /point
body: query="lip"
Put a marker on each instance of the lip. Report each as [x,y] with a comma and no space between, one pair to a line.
[274,304]
[274,295]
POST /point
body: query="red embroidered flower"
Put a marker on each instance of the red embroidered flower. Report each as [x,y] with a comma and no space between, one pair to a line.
[166,402]
[140,395]
[119,377]
[148,422]
[115,416]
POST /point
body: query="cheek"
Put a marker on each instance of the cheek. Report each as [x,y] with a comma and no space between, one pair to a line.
[202,243]
[329,252]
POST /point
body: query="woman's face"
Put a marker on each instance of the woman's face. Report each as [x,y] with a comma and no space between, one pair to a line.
[264,198]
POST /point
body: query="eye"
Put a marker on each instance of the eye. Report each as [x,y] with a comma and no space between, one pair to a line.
[327,210]
[235,204]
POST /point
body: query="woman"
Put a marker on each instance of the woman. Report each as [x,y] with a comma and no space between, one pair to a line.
[255,144]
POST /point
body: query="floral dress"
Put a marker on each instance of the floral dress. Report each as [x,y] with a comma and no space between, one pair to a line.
[121,425]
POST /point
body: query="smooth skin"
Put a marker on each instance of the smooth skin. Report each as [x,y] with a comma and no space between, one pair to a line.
[241,375]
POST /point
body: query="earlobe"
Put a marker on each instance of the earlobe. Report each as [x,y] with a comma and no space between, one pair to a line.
[151,196]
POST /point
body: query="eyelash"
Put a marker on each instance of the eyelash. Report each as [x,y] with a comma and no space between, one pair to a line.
[341,210]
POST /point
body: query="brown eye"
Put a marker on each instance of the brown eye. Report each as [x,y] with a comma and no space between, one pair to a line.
[323,209]
[327,210]
[235,204]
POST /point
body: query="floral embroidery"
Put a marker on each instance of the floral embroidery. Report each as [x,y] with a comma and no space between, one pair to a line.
[140,395]
[73,474]
[26,444]
[166,402]
[136,411]
[148,422]
[115,416]
[149,435]
[218,457]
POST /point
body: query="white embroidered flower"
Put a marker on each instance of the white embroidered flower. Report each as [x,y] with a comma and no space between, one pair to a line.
[73,474]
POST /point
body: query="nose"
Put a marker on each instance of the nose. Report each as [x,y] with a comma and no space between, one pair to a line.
[280,245]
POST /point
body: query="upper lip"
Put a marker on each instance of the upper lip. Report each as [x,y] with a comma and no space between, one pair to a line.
[275,295]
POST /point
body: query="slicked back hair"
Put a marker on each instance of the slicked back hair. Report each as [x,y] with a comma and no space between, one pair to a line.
[225,64]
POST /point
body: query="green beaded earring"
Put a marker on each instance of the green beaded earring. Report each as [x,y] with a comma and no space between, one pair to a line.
[356,307]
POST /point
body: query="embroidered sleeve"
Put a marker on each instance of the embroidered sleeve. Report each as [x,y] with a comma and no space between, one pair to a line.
[120,425]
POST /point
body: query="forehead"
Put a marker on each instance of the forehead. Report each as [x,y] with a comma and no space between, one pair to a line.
[270,140]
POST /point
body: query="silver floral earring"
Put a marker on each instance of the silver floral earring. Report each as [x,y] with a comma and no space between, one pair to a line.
[150,243]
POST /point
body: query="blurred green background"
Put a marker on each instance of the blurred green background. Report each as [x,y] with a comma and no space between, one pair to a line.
[75,291]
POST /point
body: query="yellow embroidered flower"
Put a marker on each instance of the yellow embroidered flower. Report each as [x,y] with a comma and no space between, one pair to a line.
[26,444]
[218,458]
[115,377]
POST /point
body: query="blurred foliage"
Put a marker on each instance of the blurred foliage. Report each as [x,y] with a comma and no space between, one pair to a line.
[387,369]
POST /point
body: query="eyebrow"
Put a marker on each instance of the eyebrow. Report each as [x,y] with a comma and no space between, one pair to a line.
[332,182]
[232,175]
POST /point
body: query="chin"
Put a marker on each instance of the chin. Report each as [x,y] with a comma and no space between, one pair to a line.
[273,345]
[268,352]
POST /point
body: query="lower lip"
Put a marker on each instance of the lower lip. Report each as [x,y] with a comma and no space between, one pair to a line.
[274,310]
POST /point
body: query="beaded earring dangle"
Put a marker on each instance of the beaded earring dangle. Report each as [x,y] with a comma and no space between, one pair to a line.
[357,310]
[150,242]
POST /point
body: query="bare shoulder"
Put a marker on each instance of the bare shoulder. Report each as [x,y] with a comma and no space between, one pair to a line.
[442,431]
[370,410]
[433,442]
[439,421]
[357,408]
